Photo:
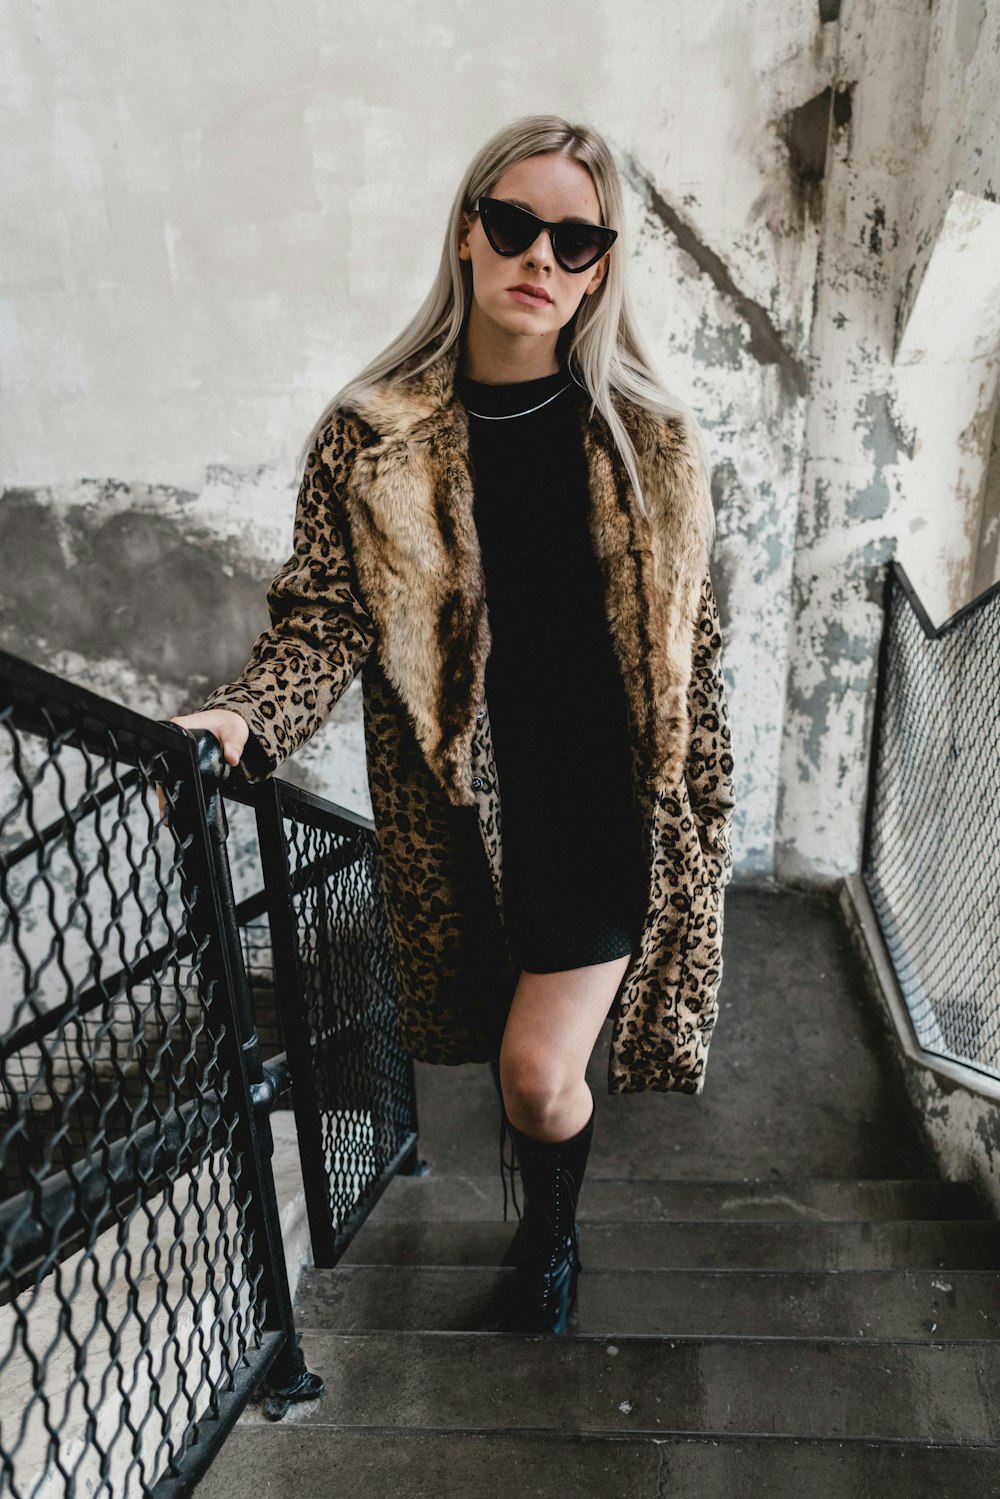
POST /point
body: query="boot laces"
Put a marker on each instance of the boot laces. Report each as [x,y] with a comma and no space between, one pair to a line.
[540,1282]
[508,1166]
[553,1242]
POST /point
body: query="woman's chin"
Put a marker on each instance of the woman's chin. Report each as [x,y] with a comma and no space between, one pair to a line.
[526,321]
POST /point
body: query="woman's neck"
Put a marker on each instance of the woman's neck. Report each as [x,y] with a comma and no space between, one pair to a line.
[505,361]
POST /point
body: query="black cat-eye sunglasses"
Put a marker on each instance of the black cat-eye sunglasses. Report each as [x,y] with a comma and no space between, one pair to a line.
[510,230]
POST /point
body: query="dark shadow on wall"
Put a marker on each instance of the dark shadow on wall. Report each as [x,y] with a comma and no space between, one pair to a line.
[128,586]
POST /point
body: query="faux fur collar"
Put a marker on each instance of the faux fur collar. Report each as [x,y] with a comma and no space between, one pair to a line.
[418,564]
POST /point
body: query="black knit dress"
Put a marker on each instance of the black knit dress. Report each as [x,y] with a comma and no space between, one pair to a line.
[575,881]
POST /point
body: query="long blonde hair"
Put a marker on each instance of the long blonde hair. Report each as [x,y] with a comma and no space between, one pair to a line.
[603,350]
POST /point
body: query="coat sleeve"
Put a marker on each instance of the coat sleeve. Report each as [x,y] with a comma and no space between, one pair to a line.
[320,632]
[709,770]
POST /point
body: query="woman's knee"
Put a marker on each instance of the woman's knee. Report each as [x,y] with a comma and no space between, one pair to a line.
[535,1090]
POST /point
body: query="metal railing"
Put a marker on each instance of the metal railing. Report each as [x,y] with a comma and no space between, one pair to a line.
[144,1295]
[931,858]
[354,1092]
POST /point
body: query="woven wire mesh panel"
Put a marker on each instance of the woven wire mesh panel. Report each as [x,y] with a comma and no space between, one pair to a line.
[362,1078]
[258,961]
[932,864]
[129,1302]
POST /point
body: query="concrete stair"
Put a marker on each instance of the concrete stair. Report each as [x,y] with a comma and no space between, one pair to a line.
[771,1332]
[805,1366]
[727,1271]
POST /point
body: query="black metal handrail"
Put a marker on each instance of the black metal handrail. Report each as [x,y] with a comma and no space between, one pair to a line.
[931,853]
[144,1295]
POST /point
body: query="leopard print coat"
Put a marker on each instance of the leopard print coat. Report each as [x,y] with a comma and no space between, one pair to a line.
[386,576]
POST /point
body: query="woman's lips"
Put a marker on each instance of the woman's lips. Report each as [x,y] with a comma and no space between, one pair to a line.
[530,299]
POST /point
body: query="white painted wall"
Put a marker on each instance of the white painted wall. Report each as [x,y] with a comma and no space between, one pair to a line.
[214,212]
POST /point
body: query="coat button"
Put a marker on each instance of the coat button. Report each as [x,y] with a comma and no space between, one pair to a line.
[477,783]
[480,715]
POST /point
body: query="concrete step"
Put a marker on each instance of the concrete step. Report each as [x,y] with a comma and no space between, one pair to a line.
[893,1304]
[499,1465]
[432,1198]
[707,1244]
[881,1390]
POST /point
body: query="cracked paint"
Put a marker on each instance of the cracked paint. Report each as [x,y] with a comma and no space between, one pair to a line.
[718,345]
[835,649]
[885,440]
[765,342]
[875,231]
[765,531]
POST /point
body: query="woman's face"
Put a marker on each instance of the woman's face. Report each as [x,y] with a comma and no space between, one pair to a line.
[554,187]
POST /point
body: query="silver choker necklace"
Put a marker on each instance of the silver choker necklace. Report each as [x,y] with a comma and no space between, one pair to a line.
[511,414]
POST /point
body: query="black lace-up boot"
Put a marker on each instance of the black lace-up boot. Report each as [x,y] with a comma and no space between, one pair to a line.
[546,1248]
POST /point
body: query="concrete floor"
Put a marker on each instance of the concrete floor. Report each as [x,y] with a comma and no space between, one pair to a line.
[800,1081]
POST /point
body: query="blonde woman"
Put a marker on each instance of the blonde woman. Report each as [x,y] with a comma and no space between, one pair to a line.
[507,521]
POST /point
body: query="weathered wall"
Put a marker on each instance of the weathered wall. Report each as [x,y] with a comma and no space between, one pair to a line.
[215,214]
[893,463]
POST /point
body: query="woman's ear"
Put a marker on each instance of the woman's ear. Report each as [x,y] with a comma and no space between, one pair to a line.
[464,226]
[597,276]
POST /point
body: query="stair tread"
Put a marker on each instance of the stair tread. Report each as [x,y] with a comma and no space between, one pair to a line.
[893,1304]
[480,1198]
[935,1244]
[884,1390]
[495,1465]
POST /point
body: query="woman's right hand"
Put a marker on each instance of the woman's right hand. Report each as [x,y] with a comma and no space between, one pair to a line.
[230,729]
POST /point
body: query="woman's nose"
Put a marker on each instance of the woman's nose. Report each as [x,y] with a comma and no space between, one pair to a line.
[540,253]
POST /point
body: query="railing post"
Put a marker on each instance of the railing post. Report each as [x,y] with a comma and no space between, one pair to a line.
[881,688]
[288,1378]
[294,1023]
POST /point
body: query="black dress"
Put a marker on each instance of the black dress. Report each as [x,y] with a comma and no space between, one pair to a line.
[575,881]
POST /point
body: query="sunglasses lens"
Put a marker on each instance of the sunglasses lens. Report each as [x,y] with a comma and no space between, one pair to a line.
[510,229]
[578,245]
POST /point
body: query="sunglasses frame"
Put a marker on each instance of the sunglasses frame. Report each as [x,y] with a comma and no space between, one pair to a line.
[540,224]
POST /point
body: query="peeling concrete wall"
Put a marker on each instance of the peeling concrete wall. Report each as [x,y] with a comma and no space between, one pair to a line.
[903,354]
[203,240]
[923,126]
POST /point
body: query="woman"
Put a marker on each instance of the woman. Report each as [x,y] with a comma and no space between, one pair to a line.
[507,521]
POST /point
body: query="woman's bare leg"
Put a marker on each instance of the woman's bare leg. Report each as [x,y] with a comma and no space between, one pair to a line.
[553,1026]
